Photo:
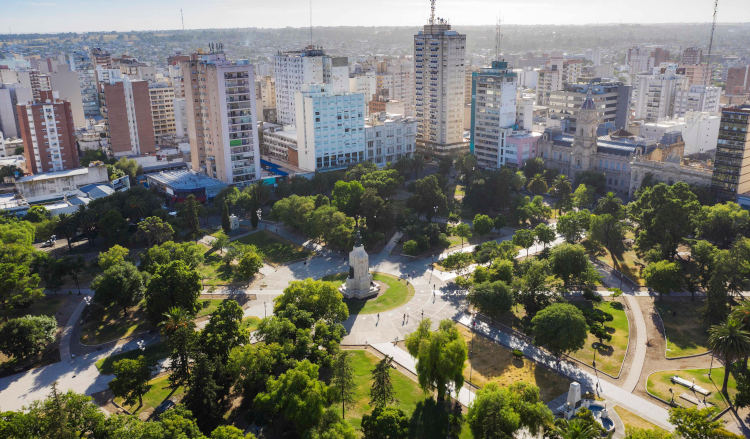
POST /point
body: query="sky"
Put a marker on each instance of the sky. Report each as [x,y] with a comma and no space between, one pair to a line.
[48,16]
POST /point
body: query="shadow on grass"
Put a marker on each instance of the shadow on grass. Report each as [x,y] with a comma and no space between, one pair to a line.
[432,419]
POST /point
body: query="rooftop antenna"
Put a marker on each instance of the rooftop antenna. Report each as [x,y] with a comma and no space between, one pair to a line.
[432,12]
[182,19]
[311,39]
[498,39]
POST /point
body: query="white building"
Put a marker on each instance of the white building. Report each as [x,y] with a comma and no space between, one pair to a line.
[10,96]
[366,84]
[390,137]
[180,118]
[68,84]
[58,184]
[330,129]
[439,69]
[280,143]
[294,69]
[493,113]
[654,93]
[697,98]
[700,131]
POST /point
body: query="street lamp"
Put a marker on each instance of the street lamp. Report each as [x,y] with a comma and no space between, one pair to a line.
[259,212]
[712,364]
[264,309]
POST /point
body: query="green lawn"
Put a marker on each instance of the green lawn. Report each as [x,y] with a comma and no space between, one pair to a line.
[682,317]
[609,356]
[158,391]
[397,293]
[101,325]
[207,307]
[213,271]
[659,384]
[631,420]
[409,395]
[250,323]
[152,353]
[276,250]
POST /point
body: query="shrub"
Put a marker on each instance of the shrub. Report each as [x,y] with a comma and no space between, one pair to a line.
[616,292]
[457,261]
[411,247]
[517,354]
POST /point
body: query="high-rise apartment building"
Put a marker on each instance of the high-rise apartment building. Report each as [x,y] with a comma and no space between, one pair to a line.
[174,69]
[555,75]
[697,98]
[330,128]
[654,93]
[67,84]
[29,78]
[221,116]
[48,134]
[493,113]
[439,76]
[731,175]
[10,96]
[611,98]
[692,56]
[642,59]
[127,108]
[311,65]
[80,62]
[738,80]
[162,99]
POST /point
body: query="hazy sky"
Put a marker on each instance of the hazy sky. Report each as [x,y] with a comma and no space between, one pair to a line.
[24,16]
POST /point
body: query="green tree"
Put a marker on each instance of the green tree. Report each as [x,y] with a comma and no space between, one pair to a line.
[665,216]
[491,298]
[115,255]
[560,327]
[499,412]
[206,398]
[534,286]
[573,225]
[230,432]
[704,254]
[537,185]
[544,234]
[610,204]
[575,429]
[67,226]
[223,331]
[562,190]
[221,242]
[37,214]
[295,398]
[18,286]
[173,284]
[26,336]
[254,364]
[440,356]
[381,391]
[583,197]
[225,224]
[571,264]
[112,227]
[609,231]
[189,211]
[533,166]
[464,231]
[691,423]
[524,238]
[428,195]
[663,276]
[385,181]
[342,380]
[483,224]
[153,230]
[385,423]
[347,196]
[723,223]
[179,330]
[129,167]
[321,300]
[729,342]
[131,379]
[249,263]
[120,285]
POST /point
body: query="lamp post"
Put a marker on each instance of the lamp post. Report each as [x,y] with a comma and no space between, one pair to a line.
[265,314]
[259,212]
[712,364]
[471,346]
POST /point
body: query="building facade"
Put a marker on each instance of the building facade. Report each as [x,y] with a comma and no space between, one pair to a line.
[330,129]
[127,107]
[699,130]
[439,75]
[162,99]
[611,98]
[389,138]
[221,116]
[48,133]
[738,80]
[697,98]
[731,175]
[654,93]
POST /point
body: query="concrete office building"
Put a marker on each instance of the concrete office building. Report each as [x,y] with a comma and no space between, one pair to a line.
[697,98]
[162,100]
[493,113]
[280,144]
[389,137]
[127,109]
[699,130]
[439,76]
[731,175]
[330,128]
[654,93]
[221,116]
[311,65]
[10,96]
[611,99]
[555,75]
[48,134]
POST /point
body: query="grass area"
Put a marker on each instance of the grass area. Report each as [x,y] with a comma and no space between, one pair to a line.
[397,293]
[426,419]
[682,319]
[46,306]
[459,192]
[101,324]
[158,391]
[207,307]
[250,323]
[630,264]
[659,384]
[152,353]
[490,361]
[276,250]
[213,271]
[631,420]
[609,355]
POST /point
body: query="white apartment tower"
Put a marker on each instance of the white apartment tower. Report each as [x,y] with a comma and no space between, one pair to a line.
[439,75]
[697,98]
[654,93]
[294,69]
[221,117]
[330,129]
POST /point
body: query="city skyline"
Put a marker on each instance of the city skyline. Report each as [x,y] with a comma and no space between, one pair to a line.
[89,16]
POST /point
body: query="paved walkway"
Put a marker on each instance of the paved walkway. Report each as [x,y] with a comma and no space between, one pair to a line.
[638,344]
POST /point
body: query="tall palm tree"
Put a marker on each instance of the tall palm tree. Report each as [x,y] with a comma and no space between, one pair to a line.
[575,429]
[537,185]
[561,189]
[730,343]
[175,318]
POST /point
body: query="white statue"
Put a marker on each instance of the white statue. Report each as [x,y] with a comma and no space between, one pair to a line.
[359,284]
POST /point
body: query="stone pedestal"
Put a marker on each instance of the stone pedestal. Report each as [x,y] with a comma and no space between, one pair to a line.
[359,284]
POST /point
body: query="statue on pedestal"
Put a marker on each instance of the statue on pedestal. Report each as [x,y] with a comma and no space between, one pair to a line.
[359,284]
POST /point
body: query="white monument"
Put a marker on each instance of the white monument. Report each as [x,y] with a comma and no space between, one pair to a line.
[359,284]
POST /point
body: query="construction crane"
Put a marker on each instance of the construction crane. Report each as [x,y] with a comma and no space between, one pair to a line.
[708,73]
